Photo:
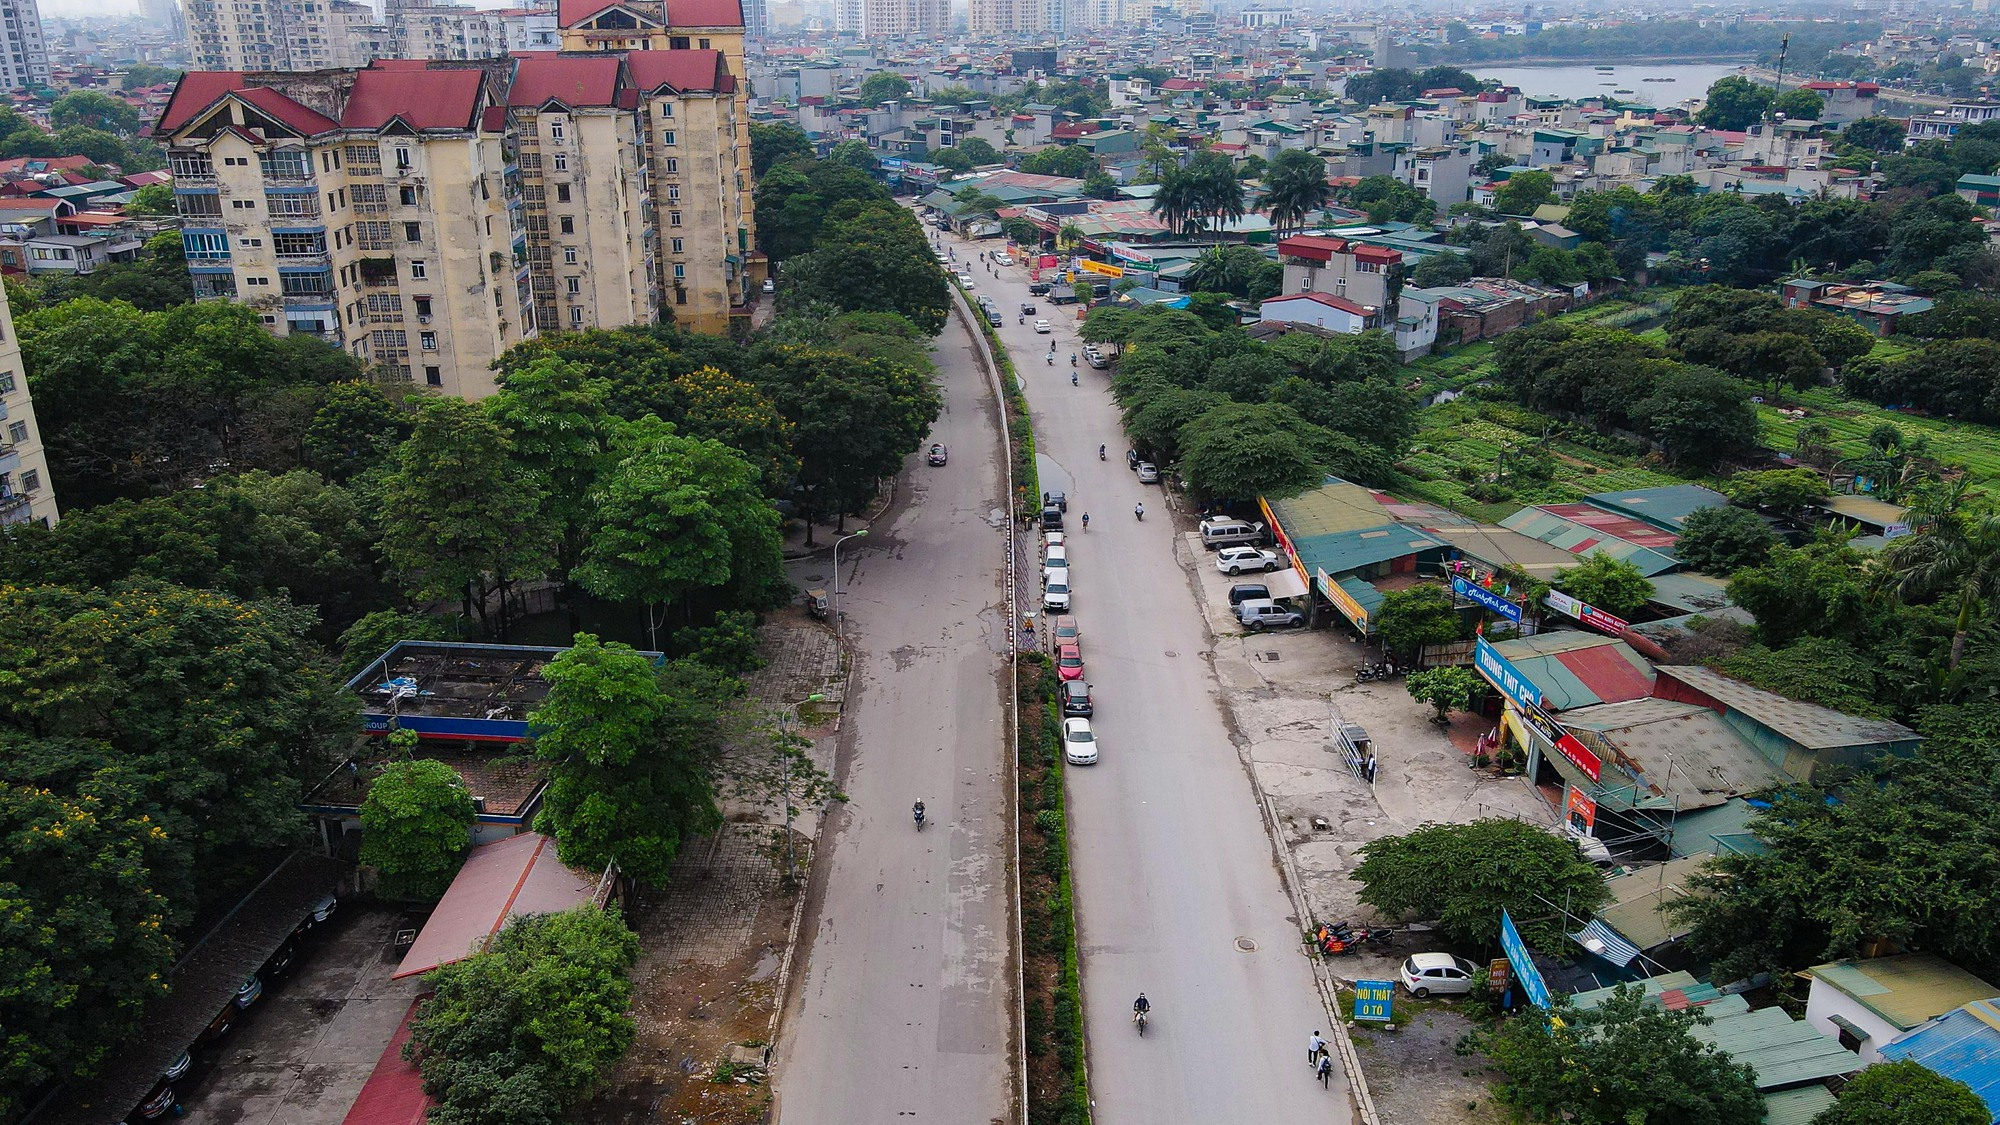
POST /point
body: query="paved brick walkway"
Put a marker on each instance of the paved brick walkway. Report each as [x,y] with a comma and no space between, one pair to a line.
[801,657]
[708,908]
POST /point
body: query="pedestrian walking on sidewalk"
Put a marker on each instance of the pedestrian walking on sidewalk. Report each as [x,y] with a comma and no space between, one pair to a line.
[1315,1047]
[1326,1072]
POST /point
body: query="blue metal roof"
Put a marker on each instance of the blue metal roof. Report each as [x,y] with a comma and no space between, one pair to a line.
[1962,1044]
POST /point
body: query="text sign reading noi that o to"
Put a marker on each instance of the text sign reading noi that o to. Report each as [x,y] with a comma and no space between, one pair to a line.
[1374,999]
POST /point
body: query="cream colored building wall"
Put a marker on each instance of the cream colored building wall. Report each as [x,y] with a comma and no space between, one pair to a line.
[703,268]
[23,466]
[600,270]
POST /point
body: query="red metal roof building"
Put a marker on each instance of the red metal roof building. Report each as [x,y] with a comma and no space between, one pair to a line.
[516,876]
[394,1093]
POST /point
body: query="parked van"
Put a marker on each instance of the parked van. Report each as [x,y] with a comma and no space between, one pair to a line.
[1223,532]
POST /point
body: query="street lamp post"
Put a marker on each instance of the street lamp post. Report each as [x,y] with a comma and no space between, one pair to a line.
[862,534]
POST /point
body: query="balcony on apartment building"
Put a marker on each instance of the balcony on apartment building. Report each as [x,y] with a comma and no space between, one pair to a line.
[286,166]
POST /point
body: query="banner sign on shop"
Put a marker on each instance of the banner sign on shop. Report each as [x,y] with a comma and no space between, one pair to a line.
[1472,591]
[1088,266]
[1525,971]
[1565,743]
[1581,810]
[1344,600]
[1374,1000]
[1585,612]
[1503,675]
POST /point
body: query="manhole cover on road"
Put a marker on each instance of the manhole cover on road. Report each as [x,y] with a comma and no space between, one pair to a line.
[1245,945]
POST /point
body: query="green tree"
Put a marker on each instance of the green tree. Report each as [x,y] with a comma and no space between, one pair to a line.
[1523,192]
[84,939]
[1067,161]
[1388,199]
[883,86]
[1445,689]
[1295,187]
[460,518]
[94,109]
[1627,1061]
[1612,585]
[979,150]
[558,419]
[1241,450]
[416,826]
[152,200]
[1097,185]
[856,420]
[779,140]
[139,75]
[676,515]
[1799,104]
[1785,491]
[1816,590]
[1890,1093]
[355,432]
[1723,540]
[1441,269]
[1952,555]
[1698,417]
[871,258]
[1734,102]
[378,632]
[1463,875]
[519,1033]
[1419,616]
[1823,670]
[628,749]
[1878,134]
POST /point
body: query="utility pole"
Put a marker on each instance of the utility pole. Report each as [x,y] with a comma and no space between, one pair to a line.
[1784,45]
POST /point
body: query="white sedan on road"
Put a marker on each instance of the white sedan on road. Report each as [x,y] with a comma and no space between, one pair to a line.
[1079,744]
[1042,326]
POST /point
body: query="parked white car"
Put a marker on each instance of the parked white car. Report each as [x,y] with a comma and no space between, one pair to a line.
[1236,560]
[1079,743]
[1055,590]
[1056,555]
[1002,258]
[965,282]
[1440,973]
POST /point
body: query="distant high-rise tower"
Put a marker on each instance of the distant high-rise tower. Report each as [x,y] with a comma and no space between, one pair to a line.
[25,62]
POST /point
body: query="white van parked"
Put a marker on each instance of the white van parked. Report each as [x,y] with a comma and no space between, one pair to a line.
[1220,532]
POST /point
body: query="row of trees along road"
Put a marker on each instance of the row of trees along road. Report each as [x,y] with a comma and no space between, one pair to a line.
[248,520]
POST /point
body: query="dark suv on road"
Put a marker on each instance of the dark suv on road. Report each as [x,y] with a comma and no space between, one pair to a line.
[1076,699]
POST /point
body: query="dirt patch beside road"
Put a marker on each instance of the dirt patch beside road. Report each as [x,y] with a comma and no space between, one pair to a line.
[1416,1073]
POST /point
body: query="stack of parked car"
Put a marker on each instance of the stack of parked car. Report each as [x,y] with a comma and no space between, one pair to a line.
[1238,550]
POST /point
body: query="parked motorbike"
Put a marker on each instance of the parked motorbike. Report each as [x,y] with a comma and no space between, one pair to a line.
[1378,935]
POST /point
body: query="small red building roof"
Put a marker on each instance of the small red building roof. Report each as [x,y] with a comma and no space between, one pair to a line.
[518,875]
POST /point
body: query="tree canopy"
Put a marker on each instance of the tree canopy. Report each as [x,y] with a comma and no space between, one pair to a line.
[416,826]
[1461,876]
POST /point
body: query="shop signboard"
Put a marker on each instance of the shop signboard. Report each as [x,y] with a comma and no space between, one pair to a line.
[1503,675]
[1581,810]
[1375,1000]
[1565,743]
[1524,966]
[1088,266]
[1474,592]
[1585,612]
[1343,601]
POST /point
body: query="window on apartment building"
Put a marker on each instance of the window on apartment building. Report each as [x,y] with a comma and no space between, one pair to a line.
[413,232]
[673,193]
[562,193]
[434,376]
[667,137]
[673,218]
[567,225]
[6,383]
[673,167]
[428,341]
[31,480]
[680,296]
[204,245]
[573,284]
[561,162]
[17,432]
[576,316]
[569,255]
[555,130]
[677,42]
[424,309]
[297,245]
[286,162]
[679,246]
[419,270]
[666,109]
[680,271]
[187,166]
[403,157]
[203,206]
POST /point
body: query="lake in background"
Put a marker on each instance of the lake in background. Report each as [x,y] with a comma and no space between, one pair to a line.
[1691,80]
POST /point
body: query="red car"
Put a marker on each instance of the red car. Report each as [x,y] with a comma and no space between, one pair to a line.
[1069,662]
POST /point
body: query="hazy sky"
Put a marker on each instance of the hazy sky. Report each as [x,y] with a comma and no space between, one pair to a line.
[89,7]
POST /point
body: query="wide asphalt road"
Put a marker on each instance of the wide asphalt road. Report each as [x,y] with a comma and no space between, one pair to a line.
[905,1008]
[1177,889]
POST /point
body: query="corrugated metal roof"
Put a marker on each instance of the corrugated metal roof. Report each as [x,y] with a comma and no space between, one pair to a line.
[1567,680]
[518,875]
[1498,547]
[1580,539]
[1685,751]
[1334,506]
[394,1093]
[1796,1107]
[1781,1050]
[1810,725]
[1340,553]
[1666,508]
[1962,1044]
[1689,592]
[1601,939]
[1722,830]
[1636,898]
[1861,509]
[1906,989]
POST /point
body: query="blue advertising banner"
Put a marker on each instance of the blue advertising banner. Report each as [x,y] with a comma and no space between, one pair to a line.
[1374,999]
[1525,972]
[1473,591]
[1504,675]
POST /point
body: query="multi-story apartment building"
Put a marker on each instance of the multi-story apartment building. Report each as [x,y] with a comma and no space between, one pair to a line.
[279,34]
[24,53]
[378,209]
[426,216]
[26,491]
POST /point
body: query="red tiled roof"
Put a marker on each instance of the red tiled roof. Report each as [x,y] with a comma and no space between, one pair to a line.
[1611,525]
[1180,84]
[518,875]
[1327,299]
[591,81]
[704,13]
[1378,254]
[37,164]
[569,13]
[682,70]
[1316,247]
[284,110]
[394,1092]
[425,99]
[196,91]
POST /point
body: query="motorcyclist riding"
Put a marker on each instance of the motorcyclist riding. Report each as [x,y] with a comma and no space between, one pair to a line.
[1072,359]
[918,811]
[1100,453]
[1072,379]
[1142,1004]
[1086,521]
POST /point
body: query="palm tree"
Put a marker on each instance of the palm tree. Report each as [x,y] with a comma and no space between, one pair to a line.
[1218,194]
[1218,270]
[1949,553]
[1068,237]
[1178,202]
[1295,186]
